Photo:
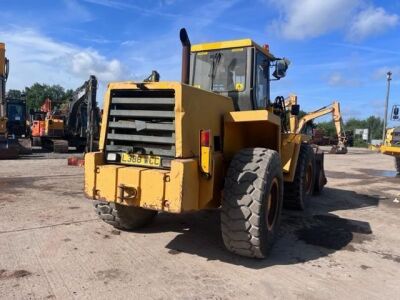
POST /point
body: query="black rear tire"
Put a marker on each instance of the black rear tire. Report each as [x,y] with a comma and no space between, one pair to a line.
[123,217]
[397,162]
[320,178]
[298,192]
[252,202]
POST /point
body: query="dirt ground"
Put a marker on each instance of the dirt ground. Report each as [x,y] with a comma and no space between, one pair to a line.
[52,246]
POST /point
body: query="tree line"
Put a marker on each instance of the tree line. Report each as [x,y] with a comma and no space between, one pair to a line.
[372,123]
[37,93]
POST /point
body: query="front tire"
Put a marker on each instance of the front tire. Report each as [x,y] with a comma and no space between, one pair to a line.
[252,202]
[122,216]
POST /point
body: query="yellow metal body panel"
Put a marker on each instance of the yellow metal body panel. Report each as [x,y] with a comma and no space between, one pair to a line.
[389,147]
[210,188]
[229,44]
[222,45]
[92,160]
[244,129]
[390,150]
[205,161]
[290,152]
[172,190]
[197,109]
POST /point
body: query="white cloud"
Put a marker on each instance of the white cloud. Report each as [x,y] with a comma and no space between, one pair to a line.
[302,19]
[337,79]
[91,62]
[78,11]
[371,21]
[34,57]
[311,18]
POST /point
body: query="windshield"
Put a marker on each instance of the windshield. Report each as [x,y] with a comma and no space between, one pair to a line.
[15,112]
[220,70]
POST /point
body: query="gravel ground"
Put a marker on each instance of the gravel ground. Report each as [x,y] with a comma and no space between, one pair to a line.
[52,246]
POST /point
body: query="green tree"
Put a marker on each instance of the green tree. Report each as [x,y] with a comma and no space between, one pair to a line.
[15,94]
[327,127]
[372,123]
[375,125]
[37,93]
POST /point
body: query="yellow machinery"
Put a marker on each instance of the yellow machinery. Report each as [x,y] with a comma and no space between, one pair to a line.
[391,145]
[214,140]
[7,148]
[14,130]
[334,109]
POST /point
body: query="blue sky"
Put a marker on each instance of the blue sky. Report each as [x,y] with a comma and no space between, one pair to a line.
[339,49]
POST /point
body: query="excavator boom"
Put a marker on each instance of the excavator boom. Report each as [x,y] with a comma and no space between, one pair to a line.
[334,109]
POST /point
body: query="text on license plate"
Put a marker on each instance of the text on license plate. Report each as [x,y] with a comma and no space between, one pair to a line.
[141,160]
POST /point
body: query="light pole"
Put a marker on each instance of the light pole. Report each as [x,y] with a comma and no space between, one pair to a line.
[388,77]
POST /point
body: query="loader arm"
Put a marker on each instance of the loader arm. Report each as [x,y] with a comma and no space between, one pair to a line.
[334,109]
[293,120]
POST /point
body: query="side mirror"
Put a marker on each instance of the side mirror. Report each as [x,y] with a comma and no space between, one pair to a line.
[295,110]
[281,67]
[395,113]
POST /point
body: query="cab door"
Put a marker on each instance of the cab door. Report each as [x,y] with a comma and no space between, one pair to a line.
[261,94]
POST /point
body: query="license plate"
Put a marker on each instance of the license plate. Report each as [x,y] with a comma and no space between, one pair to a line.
[141,160]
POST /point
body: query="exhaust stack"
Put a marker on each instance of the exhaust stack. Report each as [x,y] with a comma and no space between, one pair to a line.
[185,55]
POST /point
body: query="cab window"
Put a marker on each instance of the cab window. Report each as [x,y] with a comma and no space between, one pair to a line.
[261,81]
[221,70]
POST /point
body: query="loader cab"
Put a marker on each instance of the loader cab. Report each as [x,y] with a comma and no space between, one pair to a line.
[237,69]
[16,117]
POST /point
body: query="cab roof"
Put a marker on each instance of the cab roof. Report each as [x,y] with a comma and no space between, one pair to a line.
[230,44]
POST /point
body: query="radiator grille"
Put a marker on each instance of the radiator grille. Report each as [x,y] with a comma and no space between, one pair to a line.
[142,121]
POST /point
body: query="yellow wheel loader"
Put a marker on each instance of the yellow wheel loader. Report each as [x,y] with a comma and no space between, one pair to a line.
[391,145]
[216,139]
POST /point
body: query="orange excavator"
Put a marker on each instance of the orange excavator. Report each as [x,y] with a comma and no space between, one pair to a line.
[77,126]
[48,129]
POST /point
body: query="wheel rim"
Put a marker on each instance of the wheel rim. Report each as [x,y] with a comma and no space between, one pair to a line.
[271,211]
[308,178]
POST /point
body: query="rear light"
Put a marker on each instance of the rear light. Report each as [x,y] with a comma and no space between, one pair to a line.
[205,138]
[205,152]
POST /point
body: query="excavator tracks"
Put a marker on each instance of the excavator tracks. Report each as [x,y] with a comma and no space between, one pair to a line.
[60,146]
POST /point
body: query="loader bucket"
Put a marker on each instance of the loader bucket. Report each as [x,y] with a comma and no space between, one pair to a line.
[338,150]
